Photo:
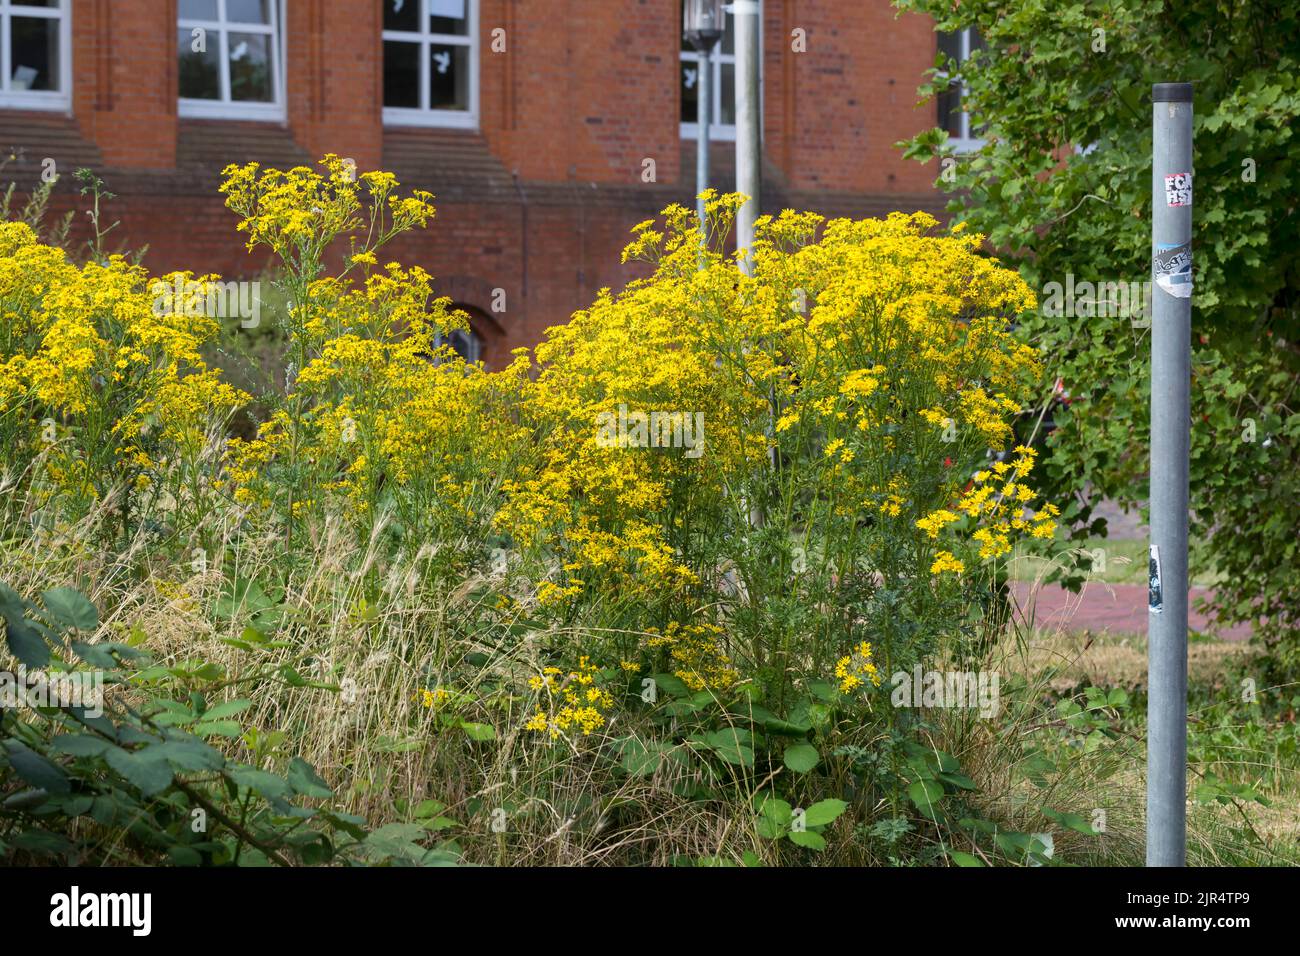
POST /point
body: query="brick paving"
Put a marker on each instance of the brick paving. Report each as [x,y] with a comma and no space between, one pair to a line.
[1113,608]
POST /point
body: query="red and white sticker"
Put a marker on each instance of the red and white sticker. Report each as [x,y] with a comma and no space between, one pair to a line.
[1178,189]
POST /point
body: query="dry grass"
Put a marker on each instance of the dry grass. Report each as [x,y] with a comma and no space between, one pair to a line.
[370,633]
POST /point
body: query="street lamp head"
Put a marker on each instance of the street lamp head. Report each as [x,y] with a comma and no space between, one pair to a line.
[702,23]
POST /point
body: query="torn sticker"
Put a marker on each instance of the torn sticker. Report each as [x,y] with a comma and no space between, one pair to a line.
[1155,593]
[1178,189]
[1172,265]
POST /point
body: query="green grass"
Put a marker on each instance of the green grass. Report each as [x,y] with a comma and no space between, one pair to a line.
[1125,561]
[1243,755]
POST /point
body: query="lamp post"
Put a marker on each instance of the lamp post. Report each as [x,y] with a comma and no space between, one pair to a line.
[702,25]
[1171,336]
[749,129]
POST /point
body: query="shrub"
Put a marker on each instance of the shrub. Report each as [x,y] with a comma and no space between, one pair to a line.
[842,401]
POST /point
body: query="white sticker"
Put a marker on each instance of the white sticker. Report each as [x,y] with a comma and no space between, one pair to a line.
[1178,189]
[1173,268]
[1155,589]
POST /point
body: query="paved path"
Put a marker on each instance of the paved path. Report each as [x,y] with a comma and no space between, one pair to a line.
[1117,608]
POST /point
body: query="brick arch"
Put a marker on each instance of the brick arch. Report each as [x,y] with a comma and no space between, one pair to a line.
[473,296]
[467,292]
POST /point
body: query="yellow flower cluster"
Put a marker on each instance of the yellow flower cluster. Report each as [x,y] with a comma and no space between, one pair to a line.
[856,669]
[299,212]
[433,698]
[95,349]
[946,561]
[574,701]
[698,660]
[998,499]
[381,412]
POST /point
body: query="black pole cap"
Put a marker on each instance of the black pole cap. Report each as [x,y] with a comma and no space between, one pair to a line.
[1171,93]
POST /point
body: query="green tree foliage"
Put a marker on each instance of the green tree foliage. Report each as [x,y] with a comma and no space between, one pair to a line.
[1062,185]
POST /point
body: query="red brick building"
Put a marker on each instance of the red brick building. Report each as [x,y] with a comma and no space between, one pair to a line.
[530,120]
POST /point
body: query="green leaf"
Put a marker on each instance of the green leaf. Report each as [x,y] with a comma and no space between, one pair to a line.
[303,778]
[774,809]
[801,757]
[35,769]
[424,810]
[101,654]
[765,719]
[807,838]
[261,782]
[227,709]
[824,812]
[218,728]
[186,752]
[671,684]
[823,690]
[925,793]
[1071,821]
[640,759]
[25,643]
[946,762]
[11,602]
[71,607]
[79,745]
[958,780]
[147,772]
[728,744]
[478,731]
[184,856]
[964,859]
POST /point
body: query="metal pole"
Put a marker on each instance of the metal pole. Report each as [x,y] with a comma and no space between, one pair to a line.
[1171,303]
[748,122]
[705,92]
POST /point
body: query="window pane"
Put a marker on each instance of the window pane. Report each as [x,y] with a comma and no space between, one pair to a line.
[950,45]
[401,74]
[976,40]
[690,91]
[34,53]
[35,3]
[448,77]
[465,344]
[402,15]
[249,11]
[729,34]
[950,110]
[449,16]
[250,68]
[198,68]
[727,89]
[197,9]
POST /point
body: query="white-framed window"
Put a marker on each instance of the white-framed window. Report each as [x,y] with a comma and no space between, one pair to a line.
[231,59]
[36,54]
[431,53]
[952,116]
[722,65]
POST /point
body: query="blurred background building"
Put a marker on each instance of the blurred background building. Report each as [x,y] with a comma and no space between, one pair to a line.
[545,128]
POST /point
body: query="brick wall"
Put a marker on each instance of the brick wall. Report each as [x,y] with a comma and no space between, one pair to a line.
[536,202]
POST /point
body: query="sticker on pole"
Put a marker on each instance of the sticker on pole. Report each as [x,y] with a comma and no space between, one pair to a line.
[1172,265]
[1178,189]
[1155,592]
